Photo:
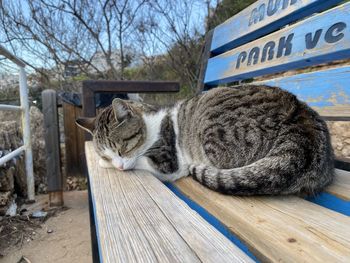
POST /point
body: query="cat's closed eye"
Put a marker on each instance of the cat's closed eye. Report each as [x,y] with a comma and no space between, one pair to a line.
[105,158]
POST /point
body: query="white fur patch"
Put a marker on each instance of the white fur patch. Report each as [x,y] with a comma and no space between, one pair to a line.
[182,157]
[104,164]
[110,153]
[153,123]
[116,161]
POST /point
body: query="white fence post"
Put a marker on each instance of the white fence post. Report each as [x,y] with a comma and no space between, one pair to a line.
[24,108]
[23,91]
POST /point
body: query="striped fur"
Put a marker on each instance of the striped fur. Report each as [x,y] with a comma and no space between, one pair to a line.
[247,140]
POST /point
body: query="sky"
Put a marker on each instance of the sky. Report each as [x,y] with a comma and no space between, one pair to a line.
[197,16]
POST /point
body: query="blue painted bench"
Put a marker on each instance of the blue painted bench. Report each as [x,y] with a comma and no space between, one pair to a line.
[136,218]
[267,38]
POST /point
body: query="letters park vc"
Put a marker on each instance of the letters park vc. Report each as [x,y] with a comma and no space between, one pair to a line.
[284,46]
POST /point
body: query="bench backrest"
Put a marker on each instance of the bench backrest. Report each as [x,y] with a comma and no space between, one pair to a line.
[270,36]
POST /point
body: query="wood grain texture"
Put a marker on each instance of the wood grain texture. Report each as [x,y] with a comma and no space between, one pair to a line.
[283,229]
[74,140]
[70,139]
[321,38]
[140,220]
[204,61]
[341,185]
[255,21]
[327,91]
[52,143]
[80,143]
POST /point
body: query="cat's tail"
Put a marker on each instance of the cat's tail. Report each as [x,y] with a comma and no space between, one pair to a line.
[267,176]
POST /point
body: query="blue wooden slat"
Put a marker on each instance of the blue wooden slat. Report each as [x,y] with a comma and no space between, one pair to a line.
[93,213]
[321,38]
[332,202]
[212,220]
[326,90]
[251,24]
[324,199]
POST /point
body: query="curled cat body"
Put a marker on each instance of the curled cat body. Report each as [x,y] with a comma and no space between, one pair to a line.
[245,140]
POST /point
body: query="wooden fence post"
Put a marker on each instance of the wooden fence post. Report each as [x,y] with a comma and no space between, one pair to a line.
[52,144]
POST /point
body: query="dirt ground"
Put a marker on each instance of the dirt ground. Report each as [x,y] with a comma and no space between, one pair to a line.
[63,238]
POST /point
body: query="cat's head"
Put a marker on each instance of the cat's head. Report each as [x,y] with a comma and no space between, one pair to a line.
[119,132]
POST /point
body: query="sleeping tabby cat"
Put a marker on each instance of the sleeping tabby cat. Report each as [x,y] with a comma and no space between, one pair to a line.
[247,140]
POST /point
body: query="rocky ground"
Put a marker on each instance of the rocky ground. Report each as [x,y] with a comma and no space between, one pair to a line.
[12,174]
[64,237]
[76,183]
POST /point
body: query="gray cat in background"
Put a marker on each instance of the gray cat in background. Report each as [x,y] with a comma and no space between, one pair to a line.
[246,140]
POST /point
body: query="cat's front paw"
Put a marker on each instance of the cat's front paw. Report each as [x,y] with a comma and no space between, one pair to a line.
[105,164]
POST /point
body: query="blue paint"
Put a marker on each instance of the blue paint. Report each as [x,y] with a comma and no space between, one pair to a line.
[211,220]
[225,38]
[96,221]
[222,68]
[331,202]
[324,88]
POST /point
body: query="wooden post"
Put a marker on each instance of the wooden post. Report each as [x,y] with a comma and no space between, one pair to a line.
[53,166]
[74,140]
[205,56]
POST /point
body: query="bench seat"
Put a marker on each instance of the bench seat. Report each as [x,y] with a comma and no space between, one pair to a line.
[140,219]
[287,229]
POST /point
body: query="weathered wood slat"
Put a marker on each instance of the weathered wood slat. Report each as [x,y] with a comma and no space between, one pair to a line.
[52,140]
[81,141]
[327,91]
[283,229]
[74,140]
[141,220]
[321,38]
[204,61]
[70,137]
[52,147]
[341,185]
[261,18]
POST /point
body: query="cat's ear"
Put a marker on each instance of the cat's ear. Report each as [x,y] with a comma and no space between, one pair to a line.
[121,109]
[88,124]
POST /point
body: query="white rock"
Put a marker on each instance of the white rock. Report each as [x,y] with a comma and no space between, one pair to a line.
[12,210]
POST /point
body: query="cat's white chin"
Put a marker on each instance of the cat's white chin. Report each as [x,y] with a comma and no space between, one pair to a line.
[108,165]
[105,164]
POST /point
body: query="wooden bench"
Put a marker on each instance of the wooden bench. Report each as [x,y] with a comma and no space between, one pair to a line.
[136,218]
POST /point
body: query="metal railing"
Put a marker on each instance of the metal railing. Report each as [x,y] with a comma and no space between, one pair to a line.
[24,108]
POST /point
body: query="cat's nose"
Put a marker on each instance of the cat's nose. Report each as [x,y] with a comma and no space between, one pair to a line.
[118,164]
